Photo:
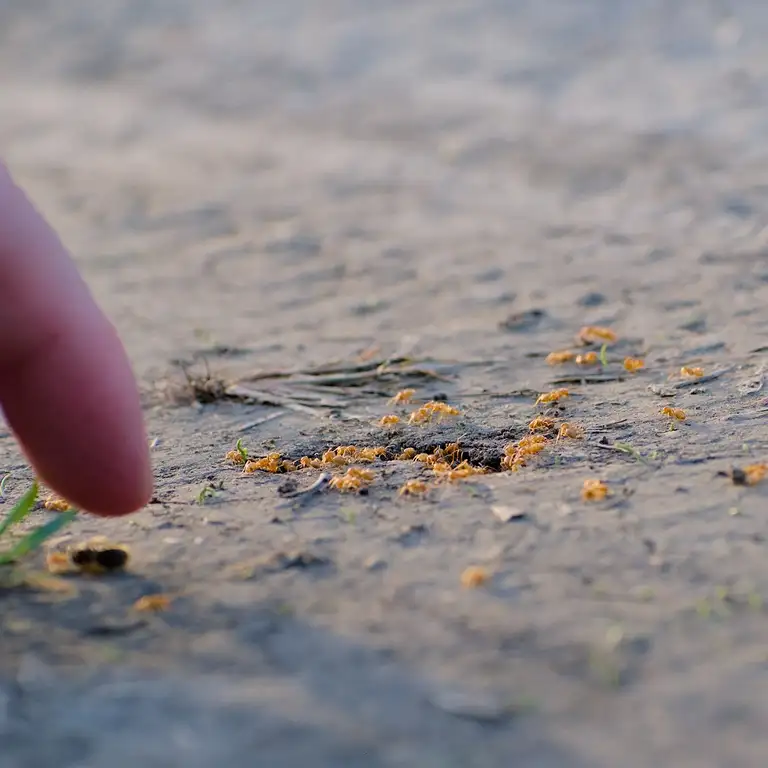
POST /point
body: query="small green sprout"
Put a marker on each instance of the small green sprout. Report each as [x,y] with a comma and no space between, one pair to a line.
[239,455]
[630,450]
[603,356]
[208,491]
[35,538]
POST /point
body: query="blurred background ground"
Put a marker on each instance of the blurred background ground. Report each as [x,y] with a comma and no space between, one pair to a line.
[276,185]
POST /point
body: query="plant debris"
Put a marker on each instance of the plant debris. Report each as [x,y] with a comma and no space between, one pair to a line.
[592,378]
[471,705]
[633,364]
[197,388]
[292,492]
[208,491]
[697,380]
[258,422]
[332,387]
[35,538]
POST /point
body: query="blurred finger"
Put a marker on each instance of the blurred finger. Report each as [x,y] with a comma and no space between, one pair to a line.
[66,386]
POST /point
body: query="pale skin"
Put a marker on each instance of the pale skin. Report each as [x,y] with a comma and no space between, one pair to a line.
[66,387]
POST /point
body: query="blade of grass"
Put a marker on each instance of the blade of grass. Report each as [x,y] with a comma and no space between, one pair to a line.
[34,539]
[3,483]
[604,355]
[21,509]
[630,450]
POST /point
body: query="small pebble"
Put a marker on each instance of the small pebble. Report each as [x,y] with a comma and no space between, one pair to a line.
[471,705]
[523,321]
[505,514]
[592,299]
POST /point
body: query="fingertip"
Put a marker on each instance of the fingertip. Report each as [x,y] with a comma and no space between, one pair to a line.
[76,410]
[116,497]
[66,385]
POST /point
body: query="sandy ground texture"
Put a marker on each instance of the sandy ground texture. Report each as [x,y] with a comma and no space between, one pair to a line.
[283,186]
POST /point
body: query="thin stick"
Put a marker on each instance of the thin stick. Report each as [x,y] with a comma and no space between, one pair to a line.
[625,448]
[322,370]
[320,484]
[703,379]
[364,376]
[268,398]
[258,422]
[595,378]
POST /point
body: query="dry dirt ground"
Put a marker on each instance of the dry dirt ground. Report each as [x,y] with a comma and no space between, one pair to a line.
[277,185]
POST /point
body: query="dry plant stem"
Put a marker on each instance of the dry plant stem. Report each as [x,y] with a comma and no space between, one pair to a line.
[320,484]
[702,379]
[258,422]
[626,450]
[352,374]
[269,398]
[331,368]
[364,377]
[595,378]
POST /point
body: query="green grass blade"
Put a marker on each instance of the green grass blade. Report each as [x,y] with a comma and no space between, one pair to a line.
[21,509]
[34,539]
[630,450]
[604,355]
